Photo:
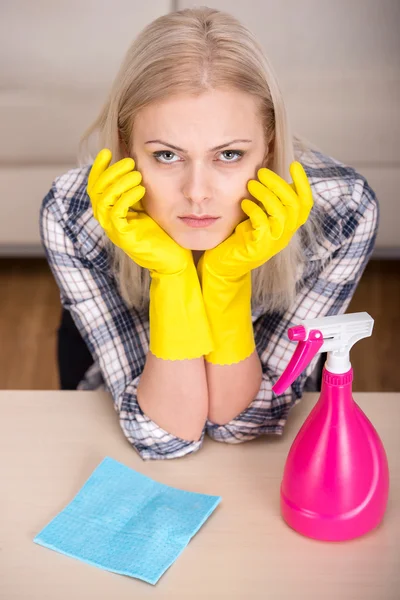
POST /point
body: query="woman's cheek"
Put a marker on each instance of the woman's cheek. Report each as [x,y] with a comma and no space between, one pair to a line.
[149,199]
[152,190]
[156,205]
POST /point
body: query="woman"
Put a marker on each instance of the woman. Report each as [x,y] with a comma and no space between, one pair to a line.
[183,263]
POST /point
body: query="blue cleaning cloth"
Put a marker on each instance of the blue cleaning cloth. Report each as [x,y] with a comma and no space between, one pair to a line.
[125,522]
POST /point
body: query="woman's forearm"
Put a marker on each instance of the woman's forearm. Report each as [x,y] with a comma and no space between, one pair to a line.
[173,393]
[231,388]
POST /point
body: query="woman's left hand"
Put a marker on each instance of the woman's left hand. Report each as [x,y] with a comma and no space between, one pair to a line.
[266,232]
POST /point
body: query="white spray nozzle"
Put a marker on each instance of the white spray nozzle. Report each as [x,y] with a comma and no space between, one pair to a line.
[334,335]
[340,333]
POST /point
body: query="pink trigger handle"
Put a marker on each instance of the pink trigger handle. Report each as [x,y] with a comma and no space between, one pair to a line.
[303,355]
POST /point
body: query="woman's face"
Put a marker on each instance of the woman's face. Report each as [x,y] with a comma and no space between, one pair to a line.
[196,155]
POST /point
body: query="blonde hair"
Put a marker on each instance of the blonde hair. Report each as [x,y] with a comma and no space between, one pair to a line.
[192,51]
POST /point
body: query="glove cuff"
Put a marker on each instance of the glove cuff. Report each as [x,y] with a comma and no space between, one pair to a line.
[228,307]
[179,328]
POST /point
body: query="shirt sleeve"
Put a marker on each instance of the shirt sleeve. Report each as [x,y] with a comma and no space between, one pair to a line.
[327,286]
[116,336]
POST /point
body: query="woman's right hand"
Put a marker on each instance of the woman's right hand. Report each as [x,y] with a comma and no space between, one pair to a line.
[115,193]
[178,323]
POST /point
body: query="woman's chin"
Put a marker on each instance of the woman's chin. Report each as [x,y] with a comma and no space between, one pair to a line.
[200,240]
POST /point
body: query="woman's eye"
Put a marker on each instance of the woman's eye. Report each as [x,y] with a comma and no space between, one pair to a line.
[238,153]
[158,154]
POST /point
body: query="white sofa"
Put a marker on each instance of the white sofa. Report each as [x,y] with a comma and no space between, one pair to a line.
[57,61]
[338,64]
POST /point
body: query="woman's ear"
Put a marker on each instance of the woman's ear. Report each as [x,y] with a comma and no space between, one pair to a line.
[123,147]
[269,156]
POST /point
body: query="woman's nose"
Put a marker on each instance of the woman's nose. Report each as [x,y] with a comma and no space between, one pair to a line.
[197,183]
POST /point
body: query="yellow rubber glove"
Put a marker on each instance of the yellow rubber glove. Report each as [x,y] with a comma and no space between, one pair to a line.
[178,323]
[225,271]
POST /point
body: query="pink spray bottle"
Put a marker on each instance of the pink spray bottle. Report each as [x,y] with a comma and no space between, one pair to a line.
[335,484]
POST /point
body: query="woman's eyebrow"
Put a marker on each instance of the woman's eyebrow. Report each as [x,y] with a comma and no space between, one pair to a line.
[182,150]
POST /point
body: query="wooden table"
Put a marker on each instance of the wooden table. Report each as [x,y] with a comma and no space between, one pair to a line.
[50,443]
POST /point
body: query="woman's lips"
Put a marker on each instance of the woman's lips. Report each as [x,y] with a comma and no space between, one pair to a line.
[199,222]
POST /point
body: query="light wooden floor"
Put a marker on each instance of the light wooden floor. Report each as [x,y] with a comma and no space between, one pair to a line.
[30,309]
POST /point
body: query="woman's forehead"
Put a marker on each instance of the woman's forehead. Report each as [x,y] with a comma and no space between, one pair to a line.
[229,113]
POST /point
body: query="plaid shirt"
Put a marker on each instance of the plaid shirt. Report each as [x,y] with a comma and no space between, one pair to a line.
[118,336]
